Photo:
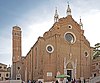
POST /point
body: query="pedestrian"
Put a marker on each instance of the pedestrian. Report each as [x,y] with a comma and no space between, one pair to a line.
[66,80]
[29,81]
[74,80]
[84,80]
[79,80]
[57,81]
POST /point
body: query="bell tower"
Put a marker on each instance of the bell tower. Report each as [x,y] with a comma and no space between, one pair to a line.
[16,52]
[16,40]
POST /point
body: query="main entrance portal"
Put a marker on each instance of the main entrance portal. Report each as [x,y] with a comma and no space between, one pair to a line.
[69,72]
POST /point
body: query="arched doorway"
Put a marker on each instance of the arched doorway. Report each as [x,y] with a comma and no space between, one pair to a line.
[69,71]
[18,77]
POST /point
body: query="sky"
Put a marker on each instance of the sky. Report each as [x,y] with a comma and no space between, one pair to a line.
[35,17]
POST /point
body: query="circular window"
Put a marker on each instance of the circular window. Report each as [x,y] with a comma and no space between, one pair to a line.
[70,37]
[49,48]
[69,26]
[18,68]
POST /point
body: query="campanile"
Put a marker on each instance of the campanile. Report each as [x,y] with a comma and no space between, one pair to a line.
[16,52]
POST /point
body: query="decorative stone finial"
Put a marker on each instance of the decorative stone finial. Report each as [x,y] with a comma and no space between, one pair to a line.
[81,24]
[68,9]
[56,16]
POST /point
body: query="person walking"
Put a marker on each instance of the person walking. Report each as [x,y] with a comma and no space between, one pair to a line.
[56,81]
[79,80]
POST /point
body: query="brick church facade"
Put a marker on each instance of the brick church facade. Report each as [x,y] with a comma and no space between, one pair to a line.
[63,49]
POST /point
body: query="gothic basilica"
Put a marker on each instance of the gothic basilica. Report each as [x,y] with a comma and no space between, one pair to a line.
[63,49]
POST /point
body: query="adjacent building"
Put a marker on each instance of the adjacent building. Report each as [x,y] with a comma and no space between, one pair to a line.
[5,72]
[96,67]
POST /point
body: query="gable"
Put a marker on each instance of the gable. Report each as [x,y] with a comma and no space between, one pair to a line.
[67,24]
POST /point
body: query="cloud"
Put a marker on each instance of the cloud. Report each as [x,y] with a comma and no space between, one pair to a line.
[35,20]
[92,26]
[41,24]
[33,32]
[5,58]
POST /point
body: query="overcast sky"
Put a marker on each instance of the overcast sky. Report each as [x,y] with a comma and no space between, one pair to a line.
[36,17]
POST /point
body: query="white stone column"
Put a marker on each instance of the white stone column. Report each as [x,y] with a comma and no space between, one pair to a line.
[75,65]
[65,65]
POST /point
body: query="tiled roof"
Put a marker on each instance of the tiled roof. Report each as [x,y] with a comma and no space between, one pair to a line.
[3,64]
